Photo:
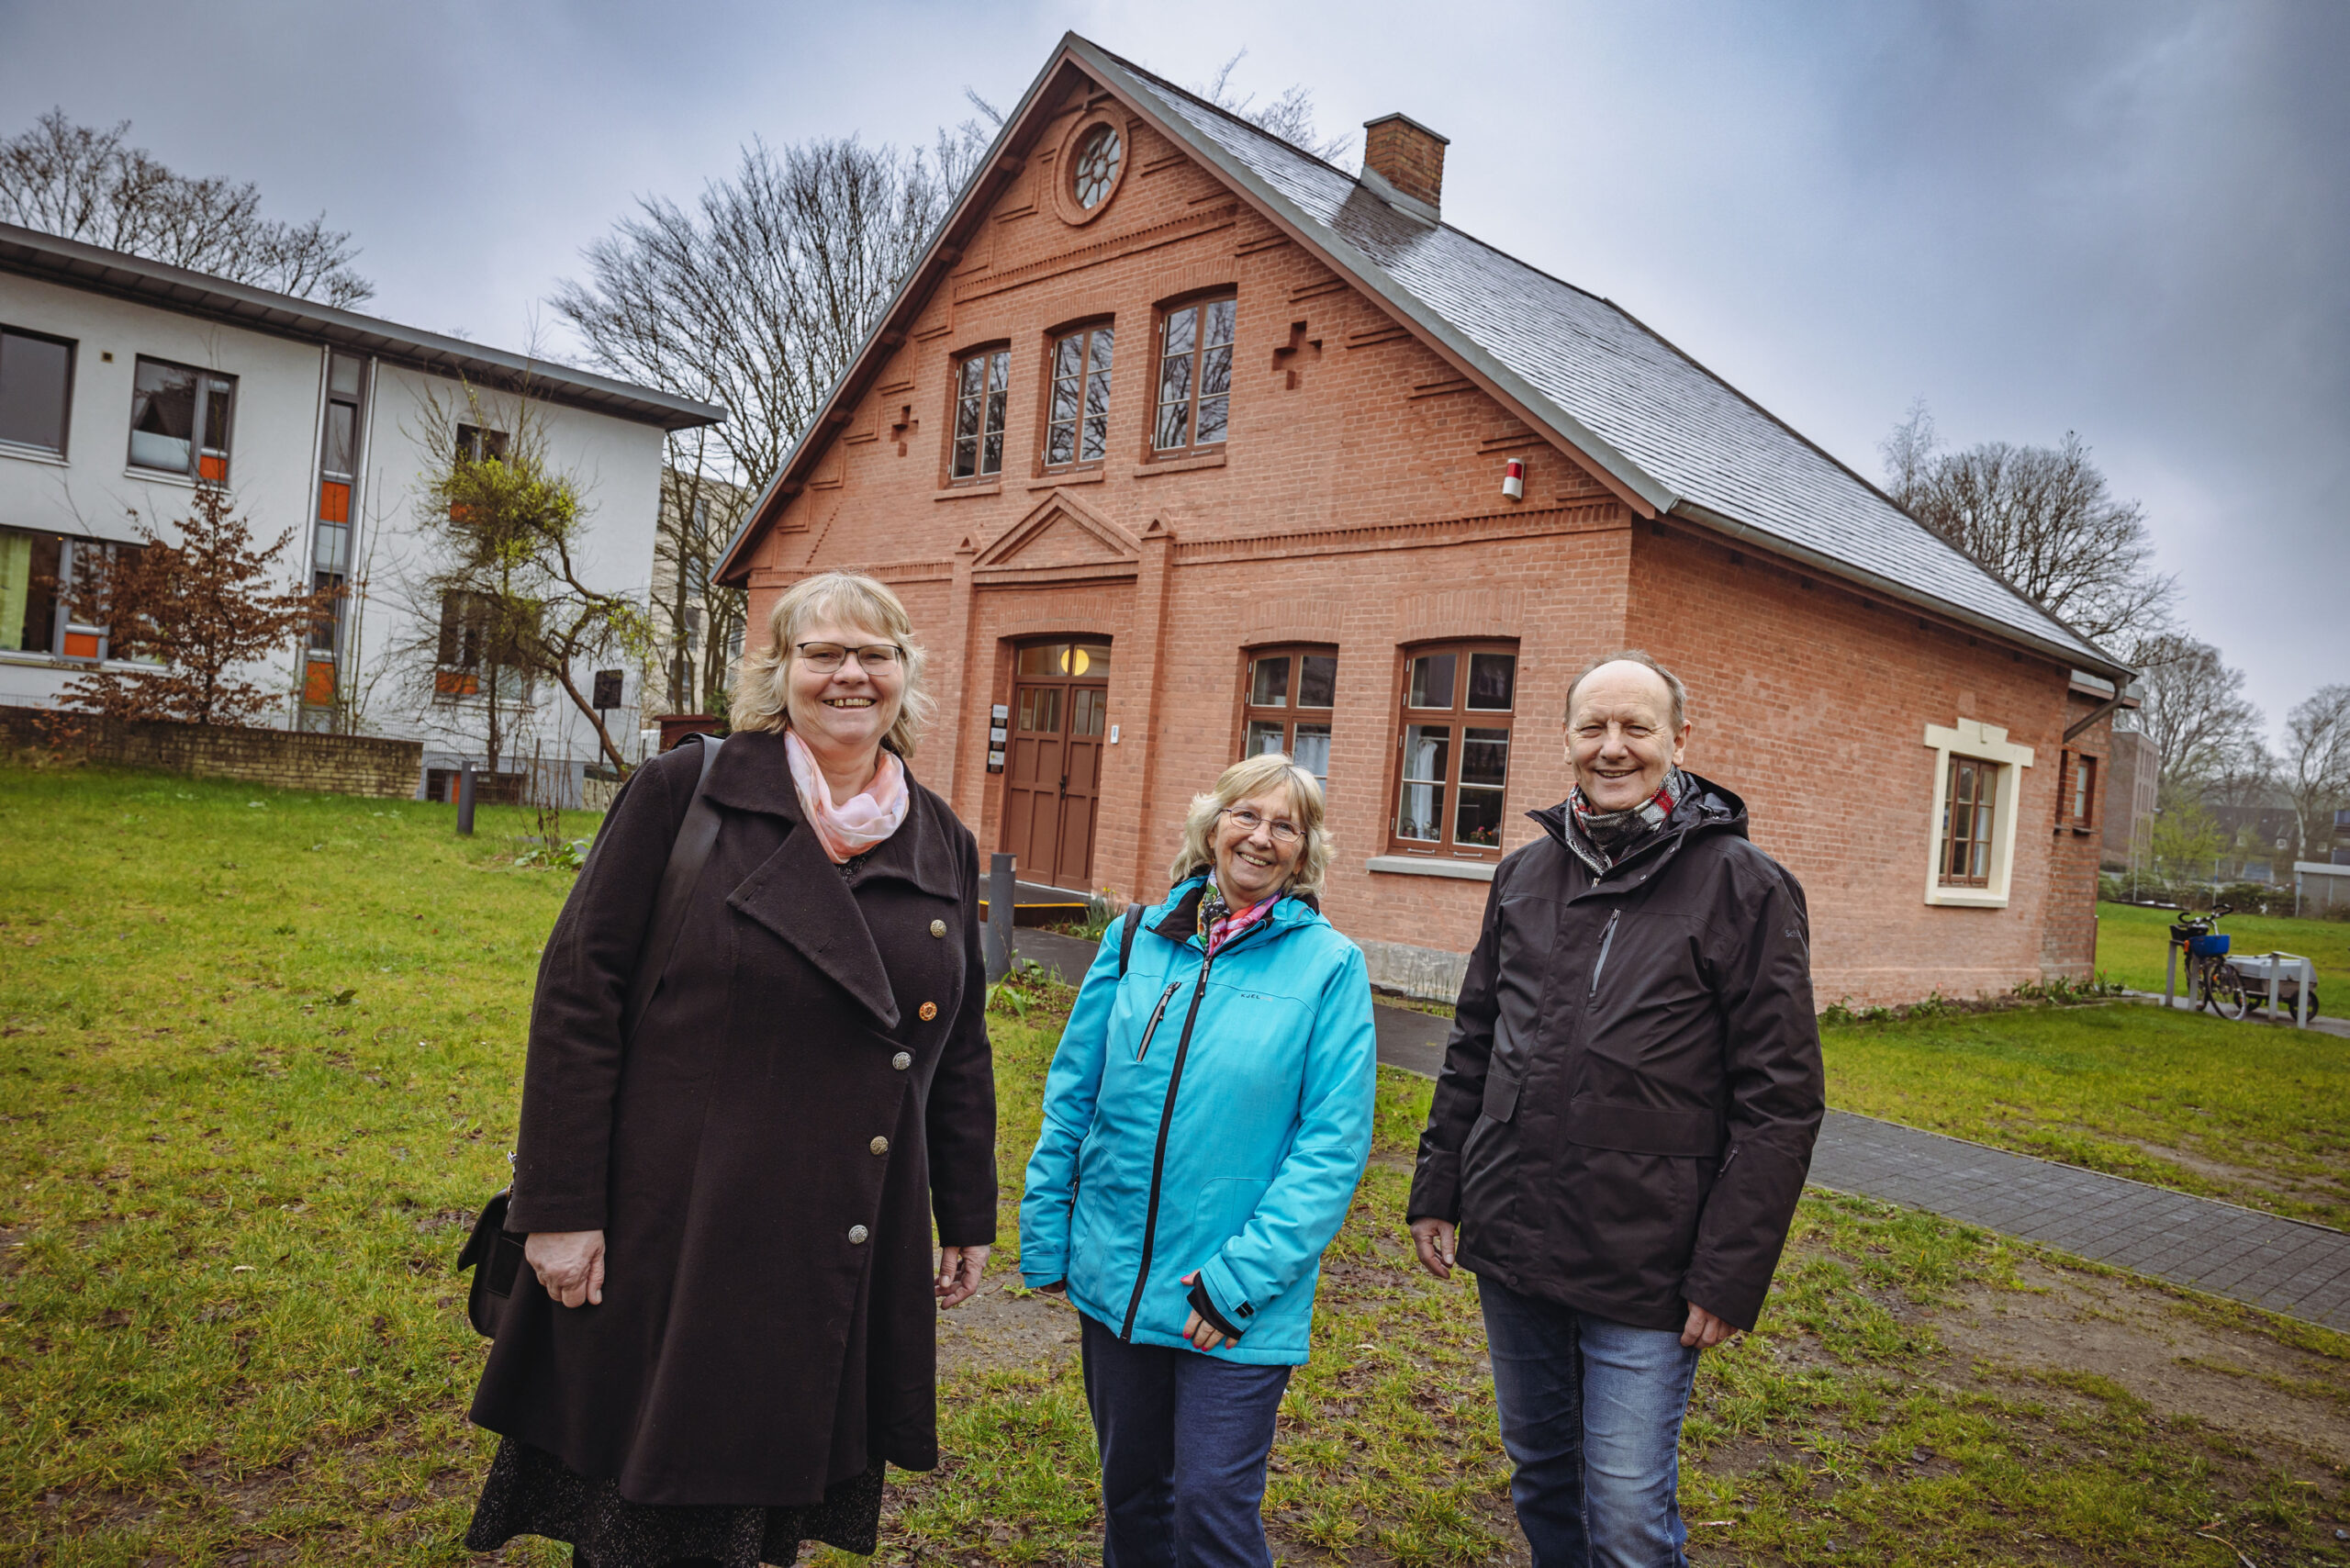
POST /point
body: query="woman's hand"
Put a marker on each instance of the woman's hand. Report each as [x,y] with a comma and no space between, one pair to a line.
[1204,1335]
[1432,1239]
[569,1263]
[959,1274]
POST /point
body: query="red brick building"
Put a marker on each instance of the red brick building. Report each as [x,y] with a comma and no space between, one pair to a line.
[1182,442]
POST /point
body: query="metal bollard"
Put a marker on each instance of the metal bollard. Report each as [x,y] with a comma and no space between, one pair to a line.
[2170,975]
[465,801]
[1002,873]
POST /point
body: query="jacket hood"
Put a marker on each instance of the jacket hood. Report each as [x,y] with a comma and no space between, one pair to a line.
[1709,808]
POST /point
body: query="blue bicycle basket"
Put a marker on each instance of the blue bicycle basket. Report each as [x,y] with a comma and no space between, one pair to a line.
[2211,944]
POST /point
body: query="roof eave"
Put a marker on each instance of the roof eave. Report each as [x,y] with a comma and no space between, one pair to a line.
[2083,654]
[70,264]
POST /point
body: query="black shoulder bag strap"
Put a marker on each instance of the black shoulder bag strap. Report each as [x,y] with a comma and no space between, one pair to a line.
[1126,929]
[495,1253]
[691,852]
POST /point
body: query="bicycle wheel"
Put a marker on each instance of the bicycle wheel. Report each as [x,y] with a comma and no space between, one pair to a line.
[2199,983]
[2229,998]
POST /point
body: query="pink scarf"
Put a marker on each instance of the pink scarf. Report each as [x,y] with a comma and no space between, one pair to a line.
[864,821]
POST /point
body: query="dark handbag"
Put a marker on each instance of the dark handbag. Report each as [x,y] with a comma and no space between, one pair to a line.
[494,1253]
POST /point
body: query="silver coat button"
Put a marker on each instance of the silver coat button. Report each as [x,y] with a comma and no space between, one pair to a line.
[938,928]
[879,1146]
[902,1061]
[857,1235]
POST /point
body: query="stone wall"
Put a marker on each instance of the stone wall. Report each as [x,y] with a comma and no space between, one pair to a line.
[340,765]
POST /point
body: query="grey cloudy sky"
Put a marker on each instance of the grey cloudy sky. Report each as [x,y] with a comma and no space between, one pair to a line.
[2129,218]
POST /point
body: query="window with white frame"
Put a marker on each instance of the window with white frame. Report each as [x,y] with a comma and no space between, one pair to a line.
[181,419]
[1978,776]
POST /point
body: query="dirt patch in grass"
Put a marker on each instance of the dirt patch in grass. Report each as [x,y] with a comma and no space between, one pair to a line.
[2237,1379]
[1004,1328]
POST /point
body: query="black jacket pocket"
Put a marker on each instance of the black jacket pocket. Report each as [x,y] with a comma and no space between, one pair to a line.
[1500,1095]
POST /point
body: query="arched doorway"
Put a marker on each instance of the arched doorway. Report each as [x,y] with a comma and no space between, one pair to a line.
[1052,775]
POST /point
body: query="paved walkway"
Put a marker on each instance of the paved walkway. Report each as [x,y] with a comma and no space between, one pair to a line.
[2282,1265]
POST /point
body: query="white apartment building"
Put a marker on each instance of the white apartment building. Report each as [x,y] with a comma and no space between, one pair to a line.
[123,382]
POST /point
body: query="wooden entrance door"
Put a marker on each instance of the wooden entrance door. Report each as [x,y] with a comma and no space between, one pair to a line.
[1060,699]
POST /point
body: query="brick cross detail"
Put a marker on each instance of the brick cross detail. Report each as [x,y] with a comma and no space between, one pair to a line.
[904,425]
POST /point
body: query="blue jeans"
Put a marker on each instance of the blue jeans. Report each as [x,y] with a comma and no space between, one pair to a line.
[1591,1417]
[1183,1440]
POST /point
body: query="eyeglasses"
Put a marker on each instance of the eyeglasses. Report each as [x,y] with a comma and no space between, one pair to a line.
[826,657]
[1249,822]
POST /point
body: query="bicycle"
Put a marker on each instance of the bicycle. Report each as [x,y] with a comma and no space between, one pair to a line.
[2212,980]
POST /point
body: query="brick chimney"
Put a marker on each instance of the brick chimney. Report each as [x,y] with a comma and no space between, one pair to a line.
[1403,157]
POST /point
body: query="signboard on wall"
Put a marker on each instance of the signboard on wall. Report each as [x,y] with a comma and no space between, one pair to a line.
[999,719]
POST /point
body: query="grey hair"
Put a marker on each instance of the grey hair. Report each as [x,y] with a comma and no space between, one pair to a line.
[1680,693]
[762,683]
[1250,776]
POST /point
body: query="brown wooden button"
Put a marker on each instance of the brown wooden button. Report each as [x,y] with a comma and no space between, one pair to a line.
[902,1061]
[879,1146]
[938,928]
[927,1011]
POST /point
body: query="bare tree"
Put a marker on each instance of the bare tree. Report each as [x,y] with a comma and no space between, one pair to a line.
[2041,518]
[2316,767]
[699,615]
[2194,711]
[84,183]
[756,300]
[1289,117]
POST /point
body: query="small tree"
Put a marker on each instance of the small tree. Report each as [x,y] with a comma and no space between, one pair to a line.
[508,532]
[205,606]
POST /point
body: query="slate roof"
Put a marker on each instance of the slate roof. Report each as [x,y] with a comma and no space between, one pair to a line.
[1660,422]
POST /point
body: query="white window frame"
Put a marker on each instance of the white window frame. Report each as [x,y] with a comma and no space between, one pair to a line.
[1985,742]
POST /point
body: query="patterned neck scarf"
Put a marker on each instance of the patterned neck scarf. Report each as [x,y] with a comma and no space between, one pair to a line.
[1607,837]
[861,821]
[1218,923]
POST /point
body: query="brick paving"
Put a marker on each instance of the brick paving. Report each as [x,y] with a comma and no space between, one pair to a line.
[2284,1266]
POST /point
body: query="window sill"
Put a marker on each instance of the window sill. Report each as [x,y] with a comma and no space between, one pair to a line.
[38,660]
[1413,865]
[159,476]
[33,454]
[1179,465]
[1967,898]
[964,492]
[1075,477]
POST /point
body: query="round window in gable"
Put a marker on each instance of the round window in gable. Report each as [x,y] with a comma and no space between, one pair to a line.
[1096,169]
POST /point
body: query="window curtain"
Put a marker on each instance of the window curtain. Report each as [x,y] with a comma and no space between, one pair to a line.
[15,585]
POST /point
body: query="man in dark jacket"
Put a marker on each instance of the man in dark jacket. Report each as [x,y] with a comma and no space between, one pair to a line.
[1624,1118]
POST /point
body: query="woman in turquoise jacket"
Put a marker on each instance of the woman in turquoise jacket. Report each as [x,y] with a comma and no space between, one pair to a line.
[1206,1119]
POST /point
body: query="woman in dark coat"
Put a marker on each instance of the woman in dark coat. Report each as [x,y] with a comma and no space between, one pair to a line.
[727,1324]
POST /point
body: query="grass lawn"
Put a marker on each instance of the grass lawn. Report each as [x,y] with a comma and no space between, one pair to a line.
[259,1056]
[2131,942]
[2237,1111]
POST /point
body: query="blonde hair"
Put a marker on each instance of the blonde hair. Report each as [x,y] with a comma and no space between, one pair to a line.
[1244,780]
[762,684]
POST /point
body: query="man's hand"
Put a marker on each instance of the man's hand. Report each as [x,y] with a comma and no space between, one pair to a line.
[1705,1331]
[1432,1239]
[569,1264]
[959,1274]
